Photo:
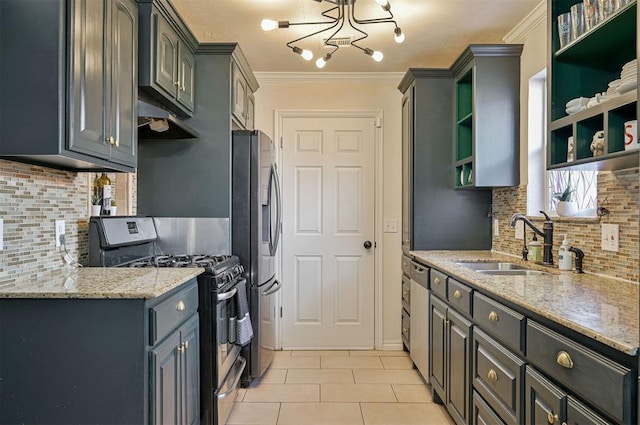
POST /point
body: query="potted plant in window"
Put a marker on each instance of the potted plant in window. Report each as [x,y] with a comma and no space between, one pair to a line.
[114,206]
[96,205]
[565,206]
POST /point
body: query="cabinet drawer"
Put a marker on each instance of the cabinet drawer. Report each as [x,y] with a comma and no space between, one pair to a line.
[438,281]
[167,315]
[499,321]
[406,293]
[579,414]
[482,413]
[583,370]
[420,274]
[459,296]
[406,265]
[498,377]
[406,331]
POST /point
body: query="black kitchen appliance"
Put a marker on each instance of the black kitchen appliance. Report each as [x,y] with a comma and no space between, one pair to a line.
[135,242]
[255,233]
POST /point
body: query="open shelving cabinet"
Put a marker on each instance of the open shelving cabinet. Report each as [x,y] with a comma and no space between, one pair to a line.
[581,69]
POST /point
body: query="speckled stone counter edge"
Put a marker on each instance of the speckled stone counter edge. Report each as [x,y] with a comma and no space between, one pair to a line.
[100,282]
[605,310]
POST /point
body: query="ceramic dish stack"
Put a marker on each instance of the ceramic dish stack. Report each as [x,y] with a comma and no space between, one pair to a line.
[576,105]
[612,91]
[628,77]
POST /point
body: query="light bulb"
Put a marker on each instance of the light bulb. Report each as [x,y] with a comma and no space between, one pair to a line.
[377,56]
[320,63]
[269,24]
[399,35]
[307,54]
[382,3]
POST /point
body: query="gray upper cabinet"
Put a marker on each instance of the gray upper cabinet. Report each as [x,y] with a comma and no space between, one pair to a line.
[487,116]
[458,220]
[85,108]
[167,60]
[243,104]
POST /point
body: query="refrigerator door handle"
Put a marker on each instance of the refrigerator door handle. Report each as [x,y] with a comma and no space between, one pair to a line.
[275,236]
[273,288]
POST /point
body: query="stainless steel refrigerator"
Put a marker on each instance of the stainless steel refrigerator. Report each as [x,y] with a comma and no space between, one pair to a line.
[256,215]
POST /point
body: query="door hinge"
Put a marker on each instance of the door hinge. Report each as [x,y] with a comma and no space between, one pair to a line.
[281,143]
[378,122]
[280,312]
[375,244]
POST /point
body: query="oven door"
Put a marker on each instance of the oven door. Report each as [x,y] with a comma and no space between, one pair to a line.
[228,351]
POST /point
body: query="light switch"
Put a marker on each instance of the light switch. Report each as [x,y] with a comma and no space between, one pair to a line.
[1,234]
[391,226]
[496,227]
[610,237]
[59,232]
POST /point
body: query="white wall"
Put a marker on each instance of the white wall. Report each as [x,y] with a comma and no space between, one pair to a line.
[368,93]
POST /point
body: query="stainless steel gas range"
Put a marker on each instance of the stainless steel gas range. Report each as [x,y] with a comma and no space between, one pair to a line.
[223,311]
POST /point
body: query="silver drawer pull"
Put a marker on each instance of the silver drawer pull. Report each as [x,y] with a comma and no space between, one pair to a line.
[551,418]
[457,294]
[493,316]
[436,281]
[181,306]
[564,360]
[492,375]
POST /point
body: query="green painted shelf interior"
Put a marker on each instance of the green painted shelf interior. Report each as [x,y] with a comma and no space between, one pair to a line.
[464,117]
[582,69]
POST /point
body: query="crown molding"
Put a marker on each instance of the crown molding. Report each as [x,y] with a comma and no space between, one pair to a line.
[524,27]
[327,77]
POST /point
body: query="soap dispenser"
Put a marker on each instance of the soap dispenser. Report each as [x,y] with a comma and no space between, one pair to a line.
[565,258]
[535,250]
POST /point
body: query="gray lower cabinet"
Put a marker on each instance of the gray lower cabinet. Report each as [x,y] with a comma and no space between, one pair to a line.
[97,360]
[167,60]
[80,87]
[175,377]
[450,347]
[579,414]
[481,413]
[545,403]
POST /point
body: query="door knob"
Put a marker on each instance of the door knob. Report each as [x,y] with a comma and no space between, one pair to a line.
[367,244]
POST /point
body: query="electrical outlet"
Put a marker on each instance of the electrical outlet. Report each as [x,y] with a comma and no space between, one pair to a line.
[391,226]
[59,232]
[519,229]
[610,237]
[1,234]
[496,227]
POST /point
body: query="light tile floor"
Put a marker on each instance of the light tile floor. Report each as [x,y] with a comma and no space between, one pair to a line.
[338,388]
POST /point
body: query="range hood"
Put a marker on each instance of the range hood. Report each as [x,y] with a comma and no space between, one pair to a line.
[155,122]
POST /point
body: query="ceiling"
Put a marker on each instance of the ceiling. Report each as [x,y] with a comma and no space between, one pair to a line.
[437,31]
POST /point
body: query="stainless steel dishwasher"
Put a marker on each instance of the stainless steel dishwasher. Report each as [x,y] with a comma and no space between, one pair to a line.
[419,351]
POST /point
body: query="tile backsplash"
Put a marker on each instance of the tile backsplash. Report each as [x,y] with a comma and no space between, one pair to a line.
[31,199]
[620,189]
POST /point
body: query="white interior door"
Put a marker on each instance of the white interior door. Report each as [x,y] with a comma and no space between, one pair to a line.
[328,215]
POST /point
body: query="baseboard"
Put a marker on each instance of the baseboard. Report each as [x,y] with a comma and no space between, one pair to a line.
[392,346]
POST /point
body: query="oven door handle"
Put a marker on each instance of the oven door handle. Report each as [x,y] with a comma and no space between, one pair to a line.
[273,288]
[235,381]
[226,295]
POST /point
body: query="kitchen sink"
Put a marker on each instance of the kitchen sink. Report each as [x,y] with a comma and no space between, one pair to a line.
[491,265]
[517,272]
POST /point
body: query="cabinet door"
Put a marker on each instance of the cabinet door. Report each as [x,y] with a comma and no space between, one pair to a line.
[190,372]
[165,381]
[123,90]
[239,95]
[251,110]
[87,118]
[166,60]
[437,322]
[458,367]
[545,403]
[186,76]
[407,168]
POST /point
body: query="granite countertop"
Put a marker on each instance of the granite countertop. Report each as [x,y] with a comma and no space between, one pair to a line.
[601,308]
[100,282]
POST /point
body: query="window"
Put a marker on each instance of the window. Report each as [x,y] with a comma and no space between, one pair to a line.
[543,184]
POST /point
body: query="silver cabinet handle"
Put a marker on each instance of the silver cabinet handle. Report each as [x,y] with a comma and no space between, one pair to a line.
[117,143]
[181,306]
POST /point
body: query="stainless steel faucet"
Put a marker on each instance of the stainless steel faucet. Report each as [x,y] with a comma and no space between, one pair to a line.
[546,233]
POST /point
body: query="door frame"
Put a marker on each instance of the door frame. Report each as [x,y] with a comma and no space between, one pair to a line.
[378,171]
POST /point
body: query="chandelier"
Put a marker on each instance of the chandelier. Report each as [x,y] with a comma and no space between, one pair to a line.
[342,12]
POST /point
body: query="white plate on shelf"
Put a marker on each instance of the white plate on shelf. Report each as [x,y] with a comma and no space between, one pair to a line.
[615,83]
[625,87]
[575,109]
